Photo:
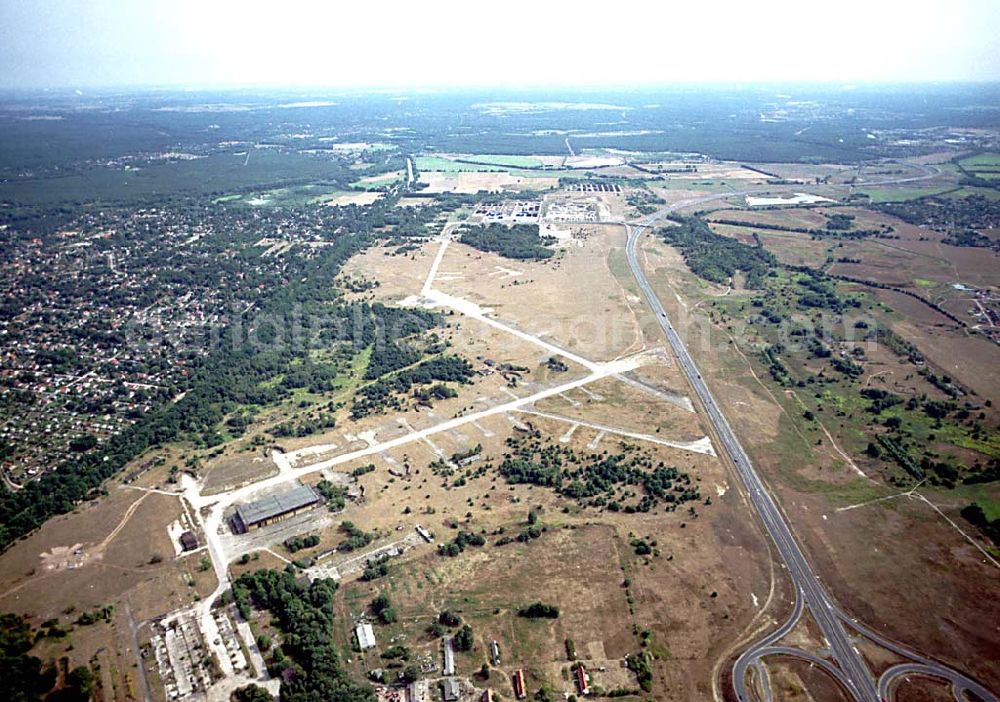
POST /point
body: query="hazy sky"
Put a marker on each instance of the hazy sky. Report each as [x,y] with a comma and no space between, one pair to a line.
[81,43]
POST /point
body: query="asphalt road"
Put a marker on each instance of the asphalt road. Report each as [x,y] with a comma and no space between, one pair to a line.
[852,671]
[856,675]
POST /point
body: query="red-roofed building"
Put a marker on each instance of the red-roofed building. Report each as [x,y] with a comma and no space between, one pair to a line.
[520,692]
[581,680]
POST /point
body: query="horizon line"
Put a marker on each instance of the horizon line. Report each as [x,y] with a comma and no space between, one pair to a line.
[843,84]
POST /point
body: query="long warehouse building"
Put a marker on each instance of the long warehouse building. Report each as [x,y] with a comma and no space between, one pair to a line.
[275,508]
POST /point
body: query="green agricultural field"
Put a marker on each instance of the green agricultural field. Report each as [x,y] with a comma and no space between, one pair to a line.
[378,183]
[981,161]
[436,163]
[988,193]
[878,195]
[504,160]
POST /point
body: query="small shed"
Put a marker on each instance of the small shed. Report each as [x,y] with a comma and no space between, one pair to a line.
[366,636]
[450,691]
[189,542]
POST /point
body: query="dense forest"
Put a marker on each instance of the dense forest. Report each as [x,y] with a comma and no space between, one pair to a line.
[309,664]
[714,257]
[26,678]
[521,241]
[958,218]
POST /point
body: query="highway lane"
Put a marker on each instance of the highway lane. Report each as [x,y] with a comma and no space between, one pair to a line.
[857,677]
[751,657]
[959,683]
[922,665]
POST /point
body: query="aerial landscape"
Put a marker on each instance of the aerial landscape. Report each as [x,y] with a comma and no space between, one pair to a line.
[402,392]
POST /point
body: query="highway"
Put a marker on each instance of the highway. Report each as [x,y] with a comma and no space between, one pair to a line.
[852,671]
[856,673]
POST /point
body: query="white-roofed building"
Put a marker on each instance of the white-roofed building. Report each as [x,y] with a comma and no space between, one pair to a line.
[366,636]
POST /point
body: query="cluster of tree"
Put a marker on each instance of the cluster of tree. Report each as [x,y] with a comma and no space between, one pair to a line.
[714,257]
[438,391]
[845,365]
[298,543]
[363,470]
[458,544]
[881,399]
[819,292]
[639,663]
[448,618]
[771,355]
[521,241]
[556,365]
[891,447]
[375,569]
[840,221]
[311,670]
[641,547]
[101,614]
[975,515]
[305,427]
[539,610]
[645,202]
[897,344]
[960,218]
[595,479]
[356,537]
[570,649]
[335,495]
[944,383]
[383,393]
[396,653]
[251,693]
[383,609]
[358,285]
[464,639]
[838,226]
[389,357]
[25,678]
[980,474]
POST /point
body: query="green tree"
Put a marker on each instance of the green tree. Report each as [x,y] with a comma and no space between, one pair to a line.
[464,639]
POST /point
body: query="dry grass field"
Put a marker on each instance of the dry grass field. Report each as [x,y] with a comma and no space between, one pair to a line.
[572,300]
[365,198]
[916,261]
[581,564]
[114,551]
